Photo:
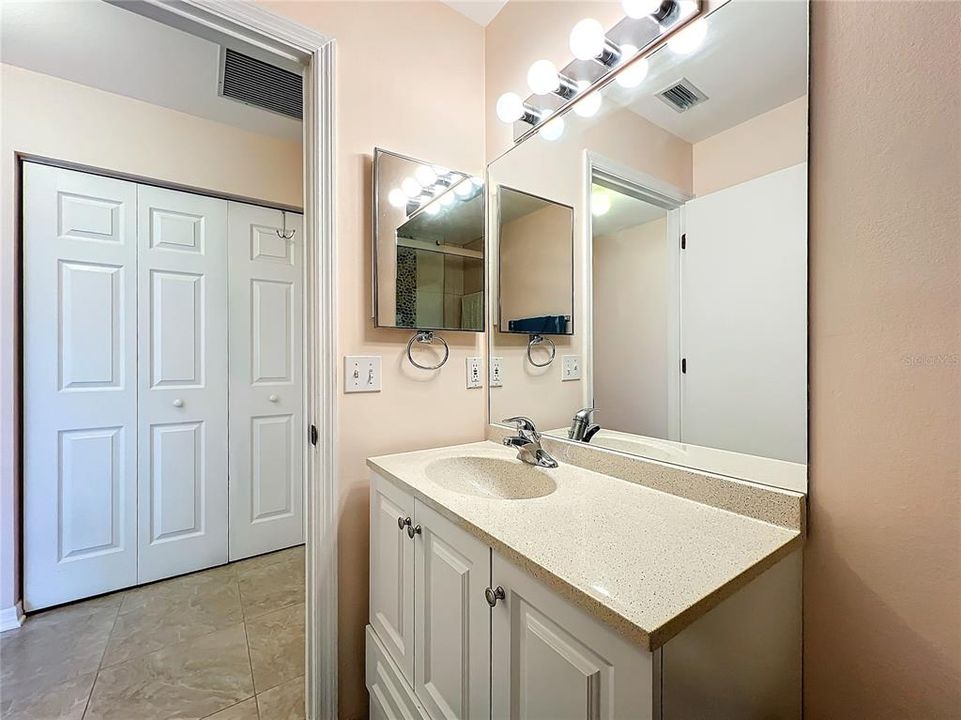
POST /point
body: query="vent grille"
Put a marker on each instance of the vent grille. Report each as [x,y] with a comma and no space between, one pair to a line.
[261,84]
[682,96]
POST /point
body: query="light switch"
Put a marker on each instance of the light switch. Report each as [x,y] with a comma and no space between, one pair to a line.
[570,367]
[474,373]
[362,373]
[496,372]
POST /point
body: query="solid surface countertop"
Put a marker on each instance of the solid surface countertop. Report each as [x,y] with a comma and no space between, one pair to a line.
[644,561]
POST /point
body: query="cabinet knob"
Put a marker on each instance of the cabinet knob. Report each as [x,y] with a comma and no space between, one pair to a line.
[178,403]
[411,531]
[403,522]
[273,398]
[494,594]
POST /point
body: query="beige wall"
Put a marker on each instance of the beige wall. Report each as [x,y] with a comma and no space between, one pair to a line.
[410,79]
[882,568]
[764,144]
[43,115]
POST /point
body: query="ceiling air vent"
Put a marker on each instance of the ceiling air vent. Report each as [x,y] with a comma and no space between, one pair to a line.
[682,96]
[261,84]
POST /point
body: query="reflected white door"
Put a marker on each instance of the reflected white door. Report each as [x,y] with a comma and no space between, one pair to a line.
[267,434]
[80,392]
[182,371]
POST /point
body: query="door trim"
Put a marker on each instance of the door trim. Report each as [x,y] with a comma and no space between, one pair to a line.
[255,30]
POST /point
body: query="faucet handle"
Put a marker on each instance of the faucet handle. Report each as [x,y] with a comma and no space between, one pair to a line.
[585,414]
[524,424]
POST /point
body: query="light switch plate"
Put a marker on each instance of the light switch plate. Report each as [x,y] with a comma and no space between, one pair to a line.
[570,367]
[474,373]
[496,372]
[362,373]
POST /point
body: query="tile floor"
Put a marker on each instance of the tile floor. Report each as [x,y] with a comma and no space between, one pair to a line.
[225,644]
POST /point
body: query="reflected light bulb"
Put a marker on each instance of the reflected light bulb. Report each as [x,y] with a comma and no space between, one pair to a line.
[397,198]
[425,176]
[689,39]
[542,78]
[478,182]
[463,188]
[600,203]
[588,105]
[510,107]
[440,170]
[432,209]
[552,129]
[634,75]
[587,39]
[447,199]
[640,8]
[411,187]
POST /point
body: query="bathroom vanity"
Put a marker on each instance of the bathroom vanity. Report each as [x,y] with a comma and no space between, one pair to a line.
[498,590]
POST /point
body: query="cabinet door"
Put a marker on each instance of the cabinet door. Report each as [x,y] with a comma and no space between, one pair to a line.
[79,384]
[266,433]
[182,365]
[551,660]
[452,620]
[392,572]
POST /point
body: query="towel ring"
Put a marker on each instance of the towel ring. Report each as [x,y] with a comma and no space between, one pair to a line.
[537,340]
[426,337]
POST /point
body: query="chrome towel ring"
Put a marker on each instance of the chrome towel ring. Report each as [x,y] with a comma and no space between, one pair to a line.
[426,337]
[537,340]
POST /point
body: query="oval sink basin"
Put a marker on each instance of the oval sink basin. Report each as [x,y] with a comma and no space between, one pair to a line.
[491,478]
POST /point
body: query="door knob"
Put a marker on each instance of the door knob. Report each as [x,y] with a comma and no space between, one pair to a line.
[178,403]
[494,594]
[411,531]
[274,398]
[403,522]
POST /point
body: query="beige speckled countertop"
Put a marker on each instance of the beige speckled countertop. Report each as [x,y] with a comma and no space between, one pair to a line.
[645,561]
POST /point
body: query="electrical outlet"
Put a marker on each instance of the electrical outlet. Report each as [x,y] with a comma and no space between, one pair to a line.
[496,372]
[474,373]
[362,373]
[571,367]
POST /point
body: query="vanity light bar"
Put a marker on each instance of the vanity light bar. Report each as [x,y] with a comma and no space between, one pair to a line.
[600,57]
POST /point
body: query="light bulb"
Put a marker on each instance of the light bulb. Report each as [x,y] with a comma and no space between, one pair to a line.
[689,39]
[552,129]
[542,78]
[411,187]
[432,209]
[640,8]
[588,105]
[440,170]
[600,203]
[464,188]
[397,198]
[478,182]
[425,176]
[634,75]
[587,39]
[447,199]
[510,107]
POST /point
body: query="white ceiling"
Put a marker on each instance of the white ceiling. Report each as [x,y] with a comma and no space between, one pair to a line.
[107,47]
[754,59]
[480,11]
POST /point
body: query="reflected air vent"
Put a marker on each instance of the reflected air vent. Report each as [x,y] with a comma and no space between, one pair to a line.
[682,96]
[266,86]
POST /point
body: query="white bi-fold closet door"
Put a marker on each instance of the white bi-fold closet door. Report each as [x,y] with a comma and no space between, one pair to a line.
[130,292]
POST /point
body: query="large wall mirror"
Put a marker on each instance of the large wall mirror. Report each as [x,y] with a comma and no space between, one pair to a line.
[428,245]
[688,190]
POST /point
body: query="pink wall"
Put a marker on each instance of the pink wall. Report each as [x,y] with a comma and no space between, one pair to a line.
[882,568]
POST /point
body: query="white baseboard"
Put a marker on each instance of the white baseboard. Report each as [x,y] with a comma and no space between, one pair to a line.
[11,617]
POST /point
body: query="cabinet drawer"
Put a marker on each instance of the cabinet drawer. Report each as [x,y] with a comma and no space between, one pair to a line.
[391,698]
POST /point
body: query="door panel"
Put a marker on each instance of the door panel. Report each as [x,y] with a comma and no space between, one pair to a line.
[183,388]
[550,659]
[451,619]
[80,385]
[267,433]
[392,572]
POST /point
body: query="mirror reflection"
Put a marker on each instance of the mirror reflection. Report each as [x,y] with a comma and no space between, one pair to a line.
[686,179]
[428,245]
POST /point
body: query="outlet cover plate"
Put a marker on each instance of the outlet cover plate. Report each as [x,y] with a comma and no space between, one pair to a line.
[474,373]
[570,367]
[362,373]
[496,372]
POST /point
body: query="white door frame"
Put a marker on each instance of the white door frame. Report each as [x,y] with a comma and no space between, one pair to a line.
[276,38]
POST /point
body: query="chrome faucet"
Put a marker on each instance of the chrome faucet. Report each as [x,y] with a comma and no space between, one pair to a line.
[582,429]
[528,443]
